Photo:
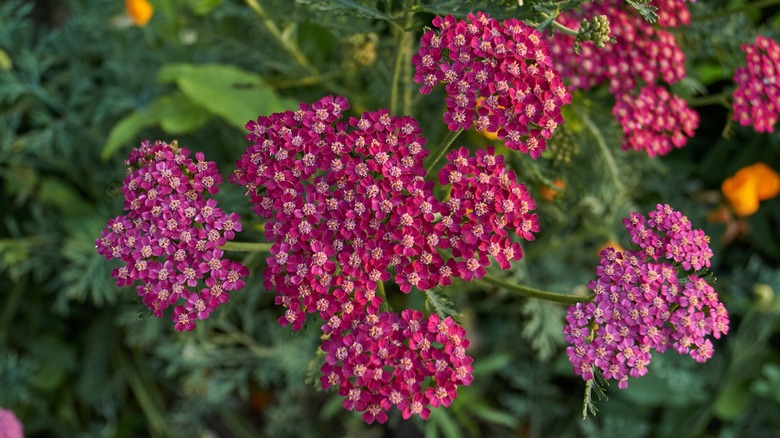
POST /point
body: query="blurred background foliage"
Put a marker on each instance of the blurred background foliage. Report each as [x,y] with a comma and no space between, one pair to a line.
[79,86]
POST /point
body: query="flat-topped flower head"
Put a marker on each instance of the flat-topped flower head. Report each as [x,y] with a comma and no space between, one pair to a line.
[498,76]
[408,361]
[655,121]
[757,97]
[348,206]
[653,298]
[170,238]
[641,54]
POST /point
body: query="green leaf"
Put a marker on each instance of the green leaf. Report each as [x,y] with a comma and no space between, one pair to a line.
[493,416]
[647,11]
[437,301]
[175,113]
[62,196]
[233,94]
[732,400]
[124,131]
[5,61]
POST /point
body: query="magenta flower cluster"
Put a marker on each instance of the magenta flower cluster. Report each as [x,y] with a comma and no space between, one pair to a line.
[10,426]
[653,298]
[757,97]
[348,207]
[498,76]
[656,121]
[642,55]
[170,238]
[405,360]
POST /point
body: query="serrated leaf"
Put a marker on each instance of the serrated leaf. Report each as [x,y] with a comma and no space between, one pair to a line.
[438,302]
[226,91]
[645,9]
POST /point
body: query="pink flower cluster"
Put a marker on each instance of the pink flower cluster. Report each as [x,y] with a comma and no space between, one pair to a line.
[401,360]
[655,121]
[170,238]
[642,55]
[348,207]
[650,299]
[497,75]
[10,426]
[348,203]
[757,97]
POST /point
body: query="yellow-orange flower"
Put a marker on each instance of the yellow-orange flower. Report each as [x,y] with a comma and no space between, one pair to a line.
[748,186]
[610,244]
[550,193]
[140,11]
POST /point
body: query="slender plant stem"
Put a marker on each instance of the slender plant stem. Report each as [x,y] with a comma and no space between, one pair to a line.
[380,290]
[144,393]
[401,56]
[536,293]
[246,246]
[441,150]
[745,8]
[563,29]
[711,99]
[296,53]
[241,337]
[270,25]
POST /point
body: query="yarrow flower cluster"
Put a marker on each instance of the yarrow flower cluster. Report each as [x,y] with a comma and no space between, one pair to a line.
[10,426]
[642,55]
[757,97]
[498,76]
[348,203]
[170,238]
[348,207]
[653,298]
[656,121]
[403,360]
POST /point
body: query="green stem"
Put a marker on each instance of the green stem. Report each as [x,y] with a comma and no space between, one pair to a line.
[711,99]
[745,8]
[564,30]
[246,246]
[380,290]
[149,401]
[242,338]
[536,293]
[270,25]
[296,53]
[401,56]
[441,150]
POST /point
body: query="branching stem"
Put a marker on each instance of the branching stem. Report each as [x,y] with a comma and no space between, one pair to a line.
[536,293]
[441,150]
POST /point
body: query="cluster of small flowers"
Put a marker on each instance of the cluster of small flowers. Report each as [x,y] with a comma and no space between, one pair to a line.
[347,203]
[642,54]
[655,121]
[401,360]
[170,238]
[649,299]
[484,201]
[497,75]
[757,97]
[673,13]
